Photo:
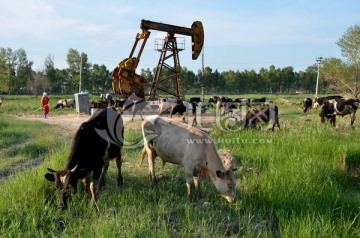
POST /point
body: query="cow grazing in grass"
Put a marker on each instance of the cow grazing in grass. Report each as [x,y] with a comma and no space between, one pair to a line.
[1,100]
[166,104]
[183,109]
[65,103]
[265,114]
[307,104]
[212,101]
[97,141]
[224,105]
[242,102]
[189,147]
[258,101]
[339,107]
[318,102]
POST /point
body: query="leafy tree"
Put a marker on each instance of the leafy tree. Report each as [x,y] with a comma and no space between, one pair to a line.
[8,63]
[287,79]
[23,72]
[189,82]
[345,75]
[76,62]
[149,76]
[38,83]
[55,84]
[100,78]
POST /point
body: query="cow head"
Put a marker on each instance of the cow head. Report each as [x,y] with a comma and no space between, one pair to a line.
[65,182]
[225,184]
[328,112]
[58,105]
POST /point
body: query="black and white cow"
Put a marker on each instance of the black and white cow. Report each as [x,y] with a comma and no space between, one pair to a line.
[224,105]
[97,141]
[318,102]
[339,107]
[183,109]
[166,104]
[307,104]
[258,101]
[65,103]
[242,102]
[107,98]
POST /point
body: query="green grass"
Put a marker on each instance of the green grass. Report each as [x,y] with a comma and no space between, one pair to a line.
[299,181]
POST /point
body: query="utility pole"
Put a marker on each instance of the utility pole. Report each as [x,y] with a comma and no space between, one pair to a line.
[80,73]
[318,60]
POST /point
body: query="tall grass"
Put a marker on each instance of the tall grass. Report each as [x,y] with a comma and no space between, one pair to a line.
[299,181]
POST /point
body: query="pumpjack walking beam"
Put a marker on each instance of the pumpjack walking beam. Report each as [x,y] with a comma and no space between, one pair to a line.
[170,46]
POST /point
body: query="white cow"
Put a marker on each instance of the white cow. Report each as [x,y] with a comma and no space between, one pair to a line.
[189,147]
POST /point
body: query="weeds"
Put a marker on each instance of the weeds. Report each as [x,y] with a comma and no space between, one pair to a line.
[302,183]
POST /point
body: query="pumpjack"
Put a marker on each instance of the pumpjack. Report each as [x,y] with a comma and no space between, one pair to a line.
[126,81]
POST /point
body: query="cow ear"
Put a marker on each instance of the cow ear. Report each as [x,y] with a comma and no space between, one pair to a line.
[50,177]
[220,174]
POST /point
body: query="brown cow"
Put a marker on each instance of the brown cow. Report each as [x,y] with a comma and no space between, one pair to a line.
[265,114]
[188,147]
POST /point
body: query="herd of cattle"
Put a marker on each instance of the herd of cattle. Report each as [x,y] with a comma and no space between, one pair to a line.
[101,139]
[332,106]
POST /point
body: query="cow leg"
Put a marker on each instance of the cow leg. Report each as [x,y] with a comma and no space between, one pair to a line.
[94,185]
[197,181]
[118,166]
[189,183]
[194,123]
[133,116]
[333,120]
[352,117]
[277,123]
[151,159]
[85,181]
[94,188]
[102,179]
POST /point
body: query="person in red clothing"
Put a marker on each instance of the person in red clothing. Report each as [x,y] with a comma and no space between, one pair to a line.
[45,104]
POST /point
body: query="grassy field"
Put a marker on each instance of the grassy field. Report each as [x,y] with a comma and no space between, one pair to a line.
[299,181]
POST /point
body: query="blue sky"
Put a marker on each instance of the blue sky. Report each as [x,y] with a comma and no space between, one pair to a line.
[239,35]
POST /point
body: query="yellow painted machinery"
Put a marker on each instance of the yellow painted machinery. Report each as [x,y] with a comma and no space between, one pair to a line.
[126,81]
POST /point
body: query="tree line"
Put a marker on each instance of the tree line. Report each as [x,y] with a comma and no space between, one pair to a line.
[336,75]
[18,77]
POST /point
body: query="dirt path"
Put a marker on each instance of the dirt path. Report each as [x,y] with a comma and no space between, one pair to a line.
[69,123]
